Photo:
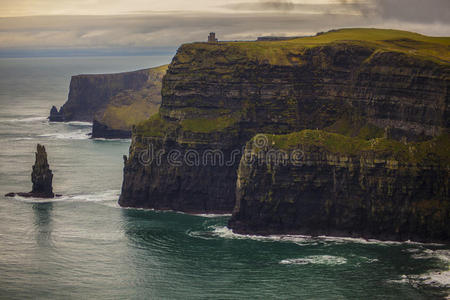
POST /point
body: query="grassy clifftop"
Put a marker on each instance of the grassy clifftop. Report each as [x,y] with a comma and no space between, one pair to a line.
[288,52]
[434,150]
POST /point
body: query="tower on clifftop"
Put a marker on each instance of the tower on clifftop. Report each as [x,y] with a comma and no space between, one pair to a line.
[212,38]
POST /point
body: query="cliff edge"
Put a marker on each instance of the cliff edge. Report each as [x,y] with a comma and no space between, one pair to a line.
[317,183]
[113,102]
[362,83]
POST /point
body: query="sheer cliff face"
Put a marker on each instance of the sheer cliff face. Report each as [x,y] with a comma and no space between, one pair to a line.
[114,101]
[90,93]
[376,189]
[130,106]
[217,96]
[311,87]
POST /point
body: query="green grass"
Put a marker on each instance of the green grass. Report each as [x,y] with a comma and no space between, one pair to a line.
[130,107]
[355,126]
[155,126]
[289,52]
[204,125]
[158,126]
[414,153]
[125,116]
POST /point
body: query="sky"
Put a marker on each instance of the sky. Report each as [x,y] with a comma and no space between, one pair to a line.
[141,26]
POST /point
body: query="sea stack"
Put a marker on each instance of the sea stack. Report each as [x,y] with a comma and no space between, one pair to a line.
[41,177]
[55,115]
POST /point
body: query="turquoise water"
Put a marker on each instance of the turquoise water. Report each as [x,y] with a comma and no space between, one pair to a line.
[83,245]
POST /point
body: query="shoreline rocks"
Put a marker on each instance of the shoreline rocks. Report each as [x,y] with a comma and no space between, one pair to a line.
[55,115]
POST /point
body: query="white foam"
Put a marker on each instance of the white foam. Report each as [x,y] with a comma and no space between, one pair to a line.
[22,139]
[441,254]
[26,120]
[98,197]
[225,232]
[411,279]
[212,215]
[112,140]
[360,240]
[438,278]
[367,260]
[316,260]
[109,195]
[79,123]
[72,135]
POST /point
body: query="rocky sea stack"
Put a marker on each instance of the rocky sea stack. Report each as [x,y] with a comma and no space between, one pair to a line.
[41,177]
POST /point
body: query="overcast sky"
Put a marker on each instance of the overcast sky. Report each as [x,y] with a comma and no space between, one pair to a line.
[144,24]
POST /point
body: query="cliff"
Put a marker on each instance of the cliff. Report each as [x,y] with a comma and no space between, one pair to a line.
[318,183]
[113,101]
[215,97]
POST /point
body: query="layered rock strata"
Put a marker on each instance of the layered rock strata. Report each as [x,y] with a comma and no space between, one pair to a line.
[318,183]
[215,97]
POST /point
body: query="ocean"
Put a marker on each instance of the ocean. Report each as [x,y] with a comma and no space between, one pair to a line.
[83,245]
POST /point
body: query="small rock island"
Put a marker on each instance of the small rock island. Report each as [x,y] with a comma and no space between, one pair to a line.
[41,177]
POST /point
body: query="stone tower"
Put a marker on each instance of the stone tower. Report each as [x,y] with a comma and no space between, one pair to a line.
[212,38]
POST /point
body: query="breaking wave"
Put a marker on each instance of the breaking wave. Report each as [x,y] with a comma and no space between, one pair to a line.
[225,232]
[316,260]
[72,135]
[26,120]
[112,140]
[109,195]
[78,123]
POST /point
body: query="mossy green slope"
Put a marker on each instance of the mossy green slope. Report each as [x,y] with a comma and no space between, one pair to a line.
[434,151]
[289,52]
[131,107]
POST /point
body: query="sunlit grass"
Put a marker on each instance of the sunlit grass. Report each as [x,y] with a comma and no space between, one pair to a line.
[288,52]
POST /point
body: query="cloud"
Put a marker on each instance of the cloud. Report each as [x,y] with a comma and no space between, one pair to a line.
[155,29]
[290,6]
[420,11]
[262,6]
[239,20]
[411,11]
